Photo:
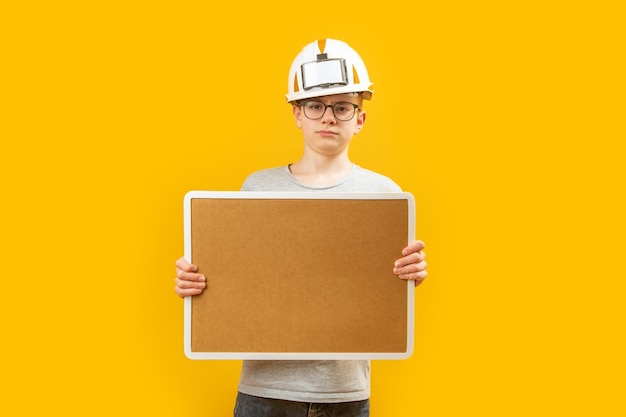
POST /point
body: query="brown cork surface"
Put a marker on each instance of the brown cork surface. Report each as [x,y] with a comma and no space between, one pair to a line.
[299,275]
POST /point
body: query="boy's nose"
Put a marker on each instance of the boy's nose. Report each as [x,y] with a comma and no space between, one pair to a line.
[329,115]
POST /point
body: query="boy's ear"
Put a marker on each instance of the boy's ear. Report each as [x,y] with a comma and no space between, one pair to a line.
[297,114]
[360,121]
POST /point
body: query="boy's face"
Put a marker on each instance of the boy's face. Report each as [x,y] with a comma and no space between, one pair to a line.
[329,135]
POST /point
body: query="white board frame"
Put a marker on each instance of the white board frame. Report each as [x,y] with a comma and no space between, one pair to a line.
[298,355]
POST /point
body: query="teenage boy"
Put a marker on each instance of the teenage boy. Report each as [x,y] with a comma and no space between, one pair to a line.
[327,84]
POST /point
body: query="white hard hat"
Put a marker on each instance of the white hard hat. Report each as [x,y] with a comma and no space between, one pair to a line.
[325,67]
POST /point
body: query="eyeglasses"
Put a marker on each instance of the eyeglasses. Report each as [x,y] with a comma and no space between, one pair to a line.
[343,111]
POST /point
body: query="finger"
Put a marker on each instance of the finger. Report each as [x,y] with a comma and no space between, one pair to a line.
[189,276]
[415,246]
[186,284]
[184,288]
[417,257]
[186,266]
[412,268]
[413,258]
[418,276]
[187,292]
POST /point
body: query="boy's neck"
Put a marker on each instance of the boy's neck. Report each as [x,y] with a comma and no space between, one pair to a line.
[321,171]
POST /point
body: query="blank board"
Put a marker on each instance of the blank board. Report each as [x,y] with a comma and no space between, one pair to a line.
[298,275]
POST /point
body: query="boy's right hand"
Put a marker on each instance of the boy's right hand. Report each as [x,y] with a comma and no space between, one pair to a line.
[188,280]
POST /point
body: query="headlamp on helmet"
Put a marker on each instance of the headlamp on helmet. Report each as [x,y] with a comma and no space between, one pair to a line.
[324,72]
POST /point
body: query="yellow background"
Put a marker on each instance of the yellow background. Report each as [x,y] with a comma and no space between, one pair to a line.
[504,119]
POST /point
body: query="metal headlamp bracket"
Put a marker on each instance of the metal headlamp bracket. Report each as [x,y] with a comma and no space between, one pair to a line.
[324,72]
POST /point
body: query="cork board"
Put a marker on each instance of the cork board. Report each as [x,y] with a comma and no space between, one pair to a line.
[299,275]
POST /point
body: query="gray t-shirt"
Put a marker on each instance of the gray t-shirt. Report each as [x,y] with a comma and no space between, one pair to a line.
[357,180]
[311,381]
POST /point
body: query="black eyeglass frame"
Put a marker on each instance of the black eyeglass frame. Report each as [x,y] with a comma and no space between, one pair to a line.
[303,103]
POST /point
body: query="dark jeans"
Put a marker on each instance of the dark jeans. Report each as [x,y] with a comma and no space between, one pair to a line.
[250,406]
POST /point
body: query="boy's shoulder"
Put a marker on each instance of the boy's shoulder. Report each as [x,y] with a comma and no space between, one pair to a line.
[264,177]
[372,181]
[268,172]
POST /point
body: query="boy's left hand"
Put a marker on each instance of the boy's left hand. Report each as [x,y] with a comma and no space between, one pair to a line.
[412,265]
